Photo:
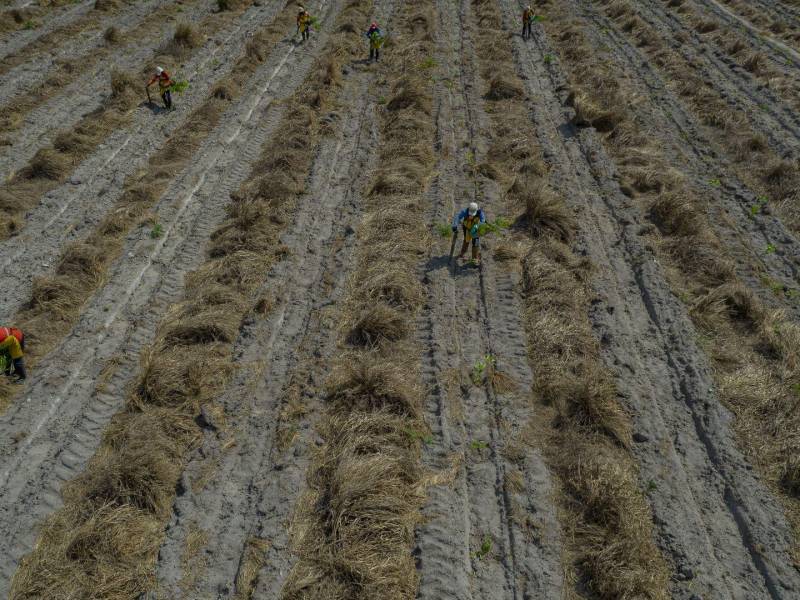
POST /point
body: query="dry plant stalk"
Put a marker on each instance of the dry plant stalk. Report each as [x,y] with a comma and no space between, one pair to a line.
[353,530]
[585,432]
[755,350]
[103,543]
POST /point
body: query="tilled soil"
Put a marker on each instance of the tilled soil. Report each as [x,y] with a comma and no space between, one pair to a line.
[493,521]
[61,430]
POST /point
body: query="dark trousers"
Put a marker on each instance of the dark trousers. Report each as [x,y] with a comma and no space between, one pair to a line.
[307,33]
[526,30]
[166,96]
[374,53]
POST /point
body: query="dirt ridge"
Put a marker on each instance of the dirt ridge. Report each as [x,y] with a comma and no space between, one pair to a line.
[129,328]
[689,452]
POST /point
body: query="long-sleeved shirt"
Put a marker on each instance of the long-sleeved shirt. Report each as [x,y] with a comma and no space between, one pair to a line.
[464,214]
[163,80]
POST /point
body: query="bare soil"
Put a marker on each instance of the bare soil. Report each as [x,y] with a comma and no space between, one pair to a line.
[275,380]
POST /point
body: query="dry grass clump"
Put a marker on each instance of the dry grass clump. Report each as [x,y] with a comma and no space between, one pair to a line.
[353,530]
[187,35]
[112,35]
[547,214]
[605,492]
[133,476]
[504,88]
[362,504]
[586,432]
[106,5]
[369,383]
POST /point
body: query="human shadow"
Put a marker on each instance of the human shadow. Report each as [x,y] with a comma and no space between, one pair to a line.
[156,109]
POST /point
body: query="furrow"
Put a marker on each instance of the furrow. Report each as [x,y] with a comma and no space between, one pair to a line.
[88,96]
[477,423]
[235,494]
[72,211]
[32,83]
[701,486]
[745,234]
[122,319]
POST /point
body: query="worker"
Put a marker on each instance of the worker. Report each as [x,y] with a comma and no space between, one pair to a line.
[470,219]
[12,344]
[164,85]
[375,36]
[527,22]
[304,23]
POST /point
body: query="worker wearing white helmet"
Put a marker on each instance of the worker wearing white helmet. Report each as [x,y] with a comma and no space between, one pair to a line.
[164,85]
[470,219]
[527,22]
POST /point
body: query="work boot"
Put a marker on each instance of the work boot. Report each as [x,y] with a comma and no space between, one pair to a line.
[476,255]
[19,369]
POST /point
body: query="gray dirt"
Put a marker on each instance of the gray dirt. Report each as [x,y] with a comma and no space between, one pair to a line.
[723,532]
[72,395]
[255,484]
[471,314]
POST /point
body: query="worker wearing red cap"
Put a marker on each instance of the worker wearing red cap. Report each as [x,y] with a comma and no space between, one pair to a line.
[12,344]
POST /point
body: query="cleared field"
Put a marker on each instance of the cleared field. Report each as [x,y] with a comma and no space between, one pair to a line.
[257,371]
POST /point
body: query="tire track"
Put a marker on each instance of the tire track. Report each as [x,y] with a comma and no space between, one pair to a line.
[81,98]
[724,532]
[745,235]
[252,491]
[28,85]
[72,211]
[474,427]
[62,430]
[18,42]
[767,113]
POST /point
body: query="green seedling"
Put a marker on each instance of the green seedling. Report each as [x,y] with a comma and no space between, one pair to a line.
[428,63]
[496,226]
[485,549]
[444,230]
[479,368]
[714,182]
[775,287]
[796,389]
[548,59]
[157,231]
[478,445]
[449,84]
[761,203]
[651,486]
[29,24]
[315,23]
[382,100]
[770,249]
[537,18]
[471,159]
[413,434]
[179,87]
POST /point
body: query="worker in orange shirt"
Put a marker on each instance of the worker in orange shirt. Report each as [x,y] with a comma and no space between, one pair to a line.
[12,344]
[164,85]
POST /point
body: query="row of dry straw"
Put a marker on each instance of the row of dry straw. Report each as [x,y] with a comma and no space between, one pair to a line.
[354,528]
[583,430]
[755,349]
[57,299]
[104,542]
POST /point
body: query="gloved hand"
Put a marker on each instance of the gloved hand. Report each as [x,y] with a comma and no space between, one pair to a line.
[474,231]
